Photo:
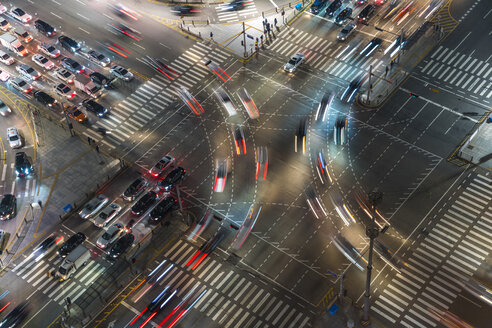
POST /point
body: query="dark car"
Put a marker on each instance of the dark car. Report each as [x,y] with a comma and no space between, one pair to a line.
[185,10]
[162,209]
[144,203]
[71,244]
[333,7]
[235,5]
[350,92]
[72,65]
[23,166]
[45,98]
[366,13]
[135,189]
[121,245]
[44,28]
[16,316]
[174,177]
[300,137]
[95,107]
[343,16]
[69,43]
[8,207]
[100,80]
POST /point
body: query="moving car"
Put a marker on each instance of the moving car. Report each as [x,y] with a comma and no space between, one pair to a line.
[215,68]
[23,166]
[185,10]
[74,113]
[324,106]
[69,43]
[47,246]
[135,189]
[20,15]
[110,235]
[121,245]
[43,61]
[49,50]
[72,65]
[346,31]
[300,137]
[366,13]
[189,100]
[126,31]
[261,157]
[221,168]
[15,317]
[27,72]
[95,107]
[20,84]
[371,47]
[226,101]
[162,209]
[93,206]
[333,7]
[15,140]
[343,16]
[8,207]
[354,86]
[339,131]
[294,62]
[314,203]
[239,140]
[4,109]
[98,58]
[121,72]
[144,203]
[173,178]
[107,215]
[45,98]
[71,244]
[235,5]
[206,249]
[44,28]
[64,75]
[159,167]
[248,104]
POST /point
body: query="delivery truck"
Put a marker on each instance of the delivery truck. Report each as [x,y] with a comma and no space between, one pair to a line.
[85,84]
[12,43]
[76,259]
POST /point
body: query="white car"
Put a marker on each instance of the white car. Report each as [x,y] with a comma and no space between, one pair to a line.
[226,101]
[20,84]
[20,15]
[4,24]
[14,139]
[110,235]
[3,9]
[49,50]
[107,215]
[294,62]
[121,72]
[221,170]
[64,75]
[98,58]
[64,90]
[346,31]
[4,76]
[4,109]
[162,165]
[43,61]
[28,72]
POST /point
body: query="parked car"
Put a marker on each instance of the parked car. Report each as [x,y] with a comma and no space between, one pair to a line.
[71,244]
[93,206]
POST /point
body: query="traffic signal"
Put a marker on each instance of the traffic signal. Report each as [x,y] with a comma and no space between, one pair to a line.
[413,95]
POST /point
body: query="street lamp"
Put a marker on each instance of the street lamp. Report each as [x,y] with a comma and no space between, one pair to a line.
[372,231]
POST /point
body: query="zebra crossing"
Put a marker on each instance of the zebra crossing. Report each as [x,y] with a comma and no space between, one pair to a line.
[232,300]
[341,60]
[36,274]
[9,183]
[224,14]
[454,248]
[469,74]
[153,96]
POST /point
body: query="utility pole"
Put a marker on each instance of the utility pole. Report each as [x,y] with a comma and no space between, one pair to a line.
[372,231]
[244,41]
[370,84]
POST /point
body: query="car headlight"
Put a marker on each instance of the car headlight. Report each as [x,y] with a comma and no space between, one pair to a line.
[26,170]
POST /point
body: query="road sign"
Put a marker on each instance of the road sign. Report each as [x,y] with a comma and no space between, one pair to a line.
[68,208]
[250,36]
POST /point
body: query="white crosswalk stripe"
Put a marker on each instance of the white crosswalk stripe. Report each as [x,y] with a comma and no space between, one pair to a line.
[454,248]
[225,14]
[460,70]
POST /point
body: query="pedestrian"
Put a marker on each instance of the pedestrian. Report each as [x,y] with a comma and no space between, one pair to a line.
[40,203]
[275,21]
[89,140]
[97,148]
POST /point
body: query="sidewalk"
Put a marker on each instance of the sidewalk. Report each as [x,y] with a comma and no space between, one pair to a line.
[231,36]
[477,149]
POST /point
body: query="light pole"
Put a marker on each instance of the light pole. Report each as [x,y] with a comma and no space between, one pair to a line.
[372,231]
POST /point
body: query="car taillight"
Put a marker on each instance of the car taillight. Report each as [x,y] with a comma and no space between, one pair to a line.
[28,90]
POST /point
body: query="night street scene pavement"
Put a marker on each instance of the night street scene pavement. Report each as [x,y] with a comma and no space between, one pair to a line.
[246,163]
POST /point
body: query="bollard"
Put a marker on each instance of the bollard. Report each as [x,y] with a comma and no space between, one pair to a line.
[199,34]
[263,14]
[192,22]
